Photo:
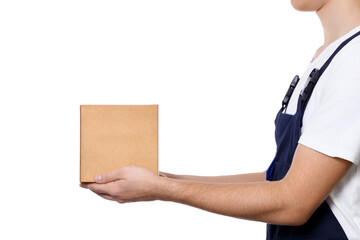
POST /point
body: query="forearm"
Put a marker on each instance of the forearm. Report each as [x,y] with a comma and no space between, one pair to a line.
[260,201]
[239,178]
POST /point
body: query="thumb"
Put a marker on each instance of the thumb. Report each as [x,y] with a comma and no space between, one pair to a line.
[108,177]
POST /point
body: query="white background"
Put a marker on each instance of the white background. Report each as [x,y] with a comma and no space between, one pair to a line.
[217,69]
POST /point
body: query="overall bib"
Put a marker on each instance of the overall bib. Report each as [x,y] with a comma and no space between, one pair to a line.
[323,223]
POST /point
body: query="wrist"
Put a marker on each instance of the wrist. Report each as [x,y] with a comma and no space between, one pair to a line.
[165,189]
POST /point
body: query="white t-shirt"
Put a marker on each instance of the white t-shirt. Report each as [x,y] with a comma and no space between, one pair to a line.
[331,124]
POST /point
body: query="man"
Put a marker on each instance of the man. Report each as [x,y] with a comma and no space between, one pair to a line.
[310,191]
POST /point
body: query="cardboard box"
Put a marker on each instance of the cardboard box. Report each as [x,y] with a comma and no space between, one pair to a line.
[113,136]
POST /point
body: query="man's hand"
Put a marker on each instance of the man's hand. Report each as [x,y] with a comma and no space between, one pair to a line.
[126,184]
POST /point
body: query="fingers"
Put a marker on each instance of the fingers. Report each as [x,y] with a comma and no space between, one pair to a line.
[97,188]
[105,196]
[102,191]
[109,197]
[109,176]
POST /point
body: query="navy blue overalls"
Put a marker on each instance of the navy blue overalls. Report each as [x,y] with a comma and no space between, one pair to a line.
[322,224]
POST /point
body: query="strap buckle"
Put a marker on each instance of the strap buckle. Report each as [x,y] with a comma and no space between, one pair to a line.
[290,91]
[312,80]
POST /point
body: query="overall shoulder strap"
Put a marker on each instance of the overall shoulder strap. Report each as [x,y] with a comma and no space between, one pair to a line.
[316,73]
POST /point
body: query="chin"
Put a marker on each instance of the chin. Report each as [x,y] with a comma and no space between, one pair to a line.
[307,5]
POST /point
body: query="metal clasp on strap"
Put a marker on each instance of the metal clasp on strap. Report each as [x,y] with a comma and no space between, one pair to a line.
[290,91]
[312,80]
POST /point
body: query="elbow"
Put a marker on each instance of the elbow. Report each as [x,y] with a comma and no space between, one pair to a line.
[290,217]
[297,217]
[293,214]
[298,213]
[296,210]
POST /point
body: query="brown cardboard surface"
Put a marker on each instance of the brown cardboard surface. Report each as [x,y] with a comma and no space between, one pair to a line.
[113,136]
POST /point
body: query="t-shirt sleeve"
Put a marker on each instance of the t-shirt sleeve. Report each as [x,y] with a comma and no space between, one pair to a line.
[334,127]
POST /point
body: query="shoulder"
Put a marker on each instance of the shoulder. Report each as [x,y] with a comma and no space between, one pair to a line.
[343,73]
[348,58]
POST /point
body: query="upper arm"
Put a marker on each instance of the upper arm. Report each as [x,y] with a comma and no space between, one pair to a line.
[311,178]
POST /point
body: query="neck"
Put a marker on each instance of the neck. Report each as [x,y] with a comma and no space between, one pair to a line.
[338,17]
